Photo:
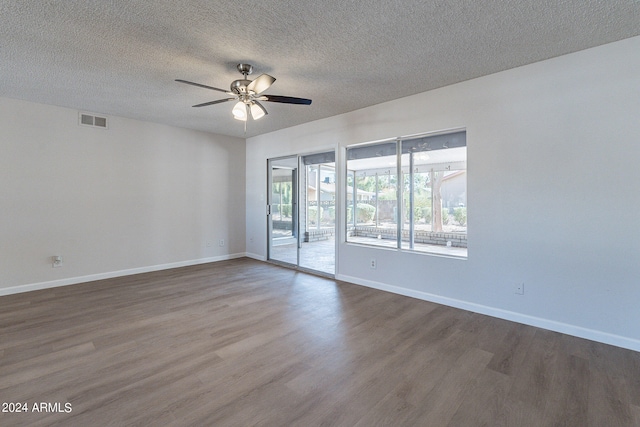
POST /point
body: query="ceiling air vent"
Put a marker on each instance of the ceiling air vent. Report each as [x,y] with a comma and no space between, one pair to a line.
[94,121]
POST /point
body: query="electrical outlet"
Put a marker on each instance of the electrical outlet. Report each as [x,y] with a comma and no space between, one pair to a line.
[208,244]
[373,263]
[519,288]
[56,261]
[221,242]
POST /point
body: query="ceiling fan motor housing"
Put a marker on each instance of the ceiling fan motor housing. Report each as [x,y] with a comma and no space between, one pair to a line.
[239,87]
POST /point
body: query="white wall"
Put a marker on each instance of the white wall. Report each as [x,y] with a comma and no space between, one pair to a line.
[135,197]
[553,151]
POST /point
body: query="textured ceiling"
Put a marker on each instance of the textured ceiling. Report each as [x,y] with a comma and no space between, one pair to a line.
[121,57]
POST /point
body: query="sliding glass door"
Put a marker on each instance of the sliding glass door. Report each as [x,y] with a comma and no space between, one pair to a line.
[318,212]
[283,210]
[303,234]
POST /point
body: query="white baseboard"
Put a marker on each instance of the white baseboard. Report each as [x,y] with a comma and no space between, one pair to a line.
[255,256]
[552,325]
[111,274]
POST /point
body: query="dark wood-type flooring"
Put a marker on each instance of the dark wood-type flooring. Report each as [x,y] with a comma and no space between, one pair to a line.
[243,343]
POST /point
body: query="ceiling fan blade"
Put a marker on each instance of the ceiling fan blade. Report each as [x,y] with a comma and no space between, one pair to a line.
[261,83]
[201,85]
[286,99]
[219,101]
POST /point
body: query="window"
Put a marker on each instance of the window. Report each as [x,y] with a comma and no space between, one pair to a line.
[410,193]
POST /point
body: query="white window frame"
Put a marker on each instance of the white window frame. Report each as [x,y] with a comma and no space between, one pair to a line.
[450,243]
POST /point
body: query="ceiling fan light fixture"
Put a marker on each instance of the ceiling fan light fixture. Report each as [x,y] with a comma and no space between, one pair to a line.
[240,111]
[257,111]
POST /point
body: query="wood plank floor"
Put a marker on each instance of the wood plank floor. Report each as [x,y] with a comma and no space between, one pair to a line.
[242,343]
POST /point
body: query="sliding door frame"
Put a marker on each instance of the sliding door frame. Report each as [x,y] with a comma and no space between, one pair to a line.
[298,184]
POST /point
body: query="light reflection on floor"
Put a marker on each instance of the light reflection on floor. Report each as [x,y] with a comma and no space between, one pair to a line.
[319,307]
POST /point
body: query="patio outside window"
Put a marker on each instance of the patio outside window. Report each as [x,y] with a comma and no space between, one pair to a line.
[425,210]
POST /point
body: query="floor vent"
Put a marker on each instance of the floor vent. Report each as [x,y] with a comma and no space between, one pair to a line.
[94,121]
